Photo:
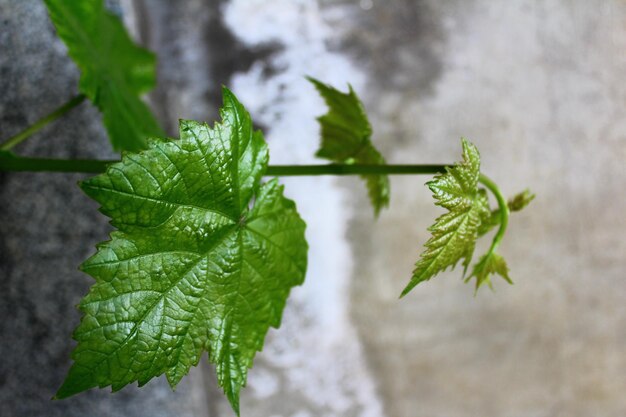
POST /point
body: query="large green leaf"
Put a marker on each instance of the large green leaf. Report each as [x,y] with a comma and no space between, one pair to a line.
[346,139]
[114,71]
[454,233]
[204,259]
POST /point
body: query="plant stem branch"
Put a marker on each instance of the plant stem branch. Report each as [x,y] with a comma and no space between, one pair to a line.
[10,162]
[503,210]
[352,169]
[26,133]
[16,163]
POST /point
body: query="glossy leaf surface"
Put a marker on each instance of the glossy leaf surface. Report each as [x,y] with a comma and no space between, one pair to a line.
[454,233]
[203,259]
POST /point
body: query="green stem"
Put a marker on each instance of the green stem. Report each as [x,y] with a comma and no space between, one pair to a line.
[9,162]
[26,133]
[352,169]
[503,210]
[16,163]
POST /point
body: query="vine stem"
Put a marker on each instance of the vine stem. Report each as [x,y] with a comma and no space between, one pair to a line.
[503,209]
[16,163]
[26,133]
[9,162]
[352,169]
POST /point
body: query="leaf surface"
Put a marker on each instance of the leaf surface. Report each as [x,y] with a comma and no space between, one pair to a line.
[114,71]
[454,233]
[203,259]
[489,264]
[346,139]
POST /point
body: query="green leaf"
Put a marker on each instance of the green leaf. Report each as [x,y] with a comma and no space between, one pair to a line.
[454,233]
[204,259]
[521,200]
[490,263]
[516,203]
[346,139]
[114,71]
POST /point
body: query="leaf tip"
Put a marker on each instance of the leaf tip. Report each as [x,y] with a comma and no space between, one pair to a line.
[408,288]
[313,80]
[186,124]
[233,398]
[468,148]
[226,91]
[465,142]
[228,97]
[63,392]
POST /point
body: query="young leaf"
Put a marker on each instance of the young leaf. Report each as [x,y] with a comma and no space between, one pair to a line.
[203,259]
[346,134]
[454,233]
[516,203]
[521,200]
[490,263]
[114,71]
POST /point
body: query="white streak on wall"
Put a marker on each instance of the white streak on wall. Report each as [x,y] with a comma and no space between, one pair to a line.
[316,353]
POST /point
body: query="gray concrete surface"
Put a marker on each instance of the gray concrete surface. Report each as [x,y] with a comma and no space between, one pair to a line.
[538,85]
[47,228]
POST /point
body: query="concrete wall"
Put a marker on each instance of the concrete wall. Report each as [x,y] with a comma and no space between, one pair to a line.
[537,85]
[47,228]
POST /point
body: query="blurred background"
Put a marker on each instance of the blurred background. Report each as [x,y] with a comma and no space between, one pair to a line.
[538,85]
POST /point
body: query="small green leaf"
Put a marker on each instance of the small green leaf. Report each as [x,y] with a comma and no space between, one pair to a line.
[516,203]
[454,233]
[521,200]
[114,71]
[203,259]
[490,263]
[346,139]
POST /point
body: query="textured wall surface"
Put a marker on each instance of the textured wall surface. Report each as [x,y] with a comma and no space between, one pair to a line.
[47,228]
[538,85]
